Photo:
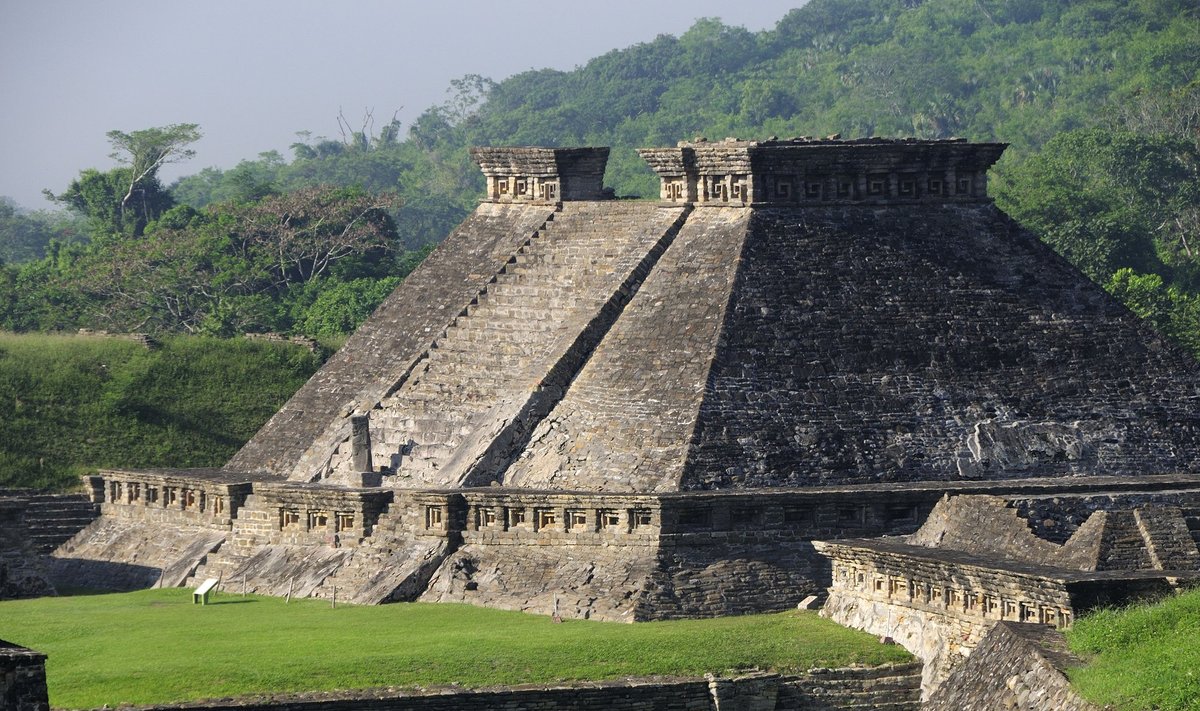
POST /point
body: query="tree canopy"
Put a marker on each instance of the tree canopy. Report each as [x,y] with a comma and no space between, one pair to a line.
[1097,99]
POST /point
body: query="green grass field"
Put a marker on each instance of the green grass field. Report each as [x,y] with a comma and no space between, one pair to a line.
[155,646]
[1141,657]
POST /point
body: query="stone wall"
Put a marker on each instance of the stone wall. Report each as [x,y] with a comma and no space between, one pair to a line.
[205,498]
[21,574]
[22,679]
[633,557]
[939,603]
[1016,666]
[613,556]
[892,687]
[885,688]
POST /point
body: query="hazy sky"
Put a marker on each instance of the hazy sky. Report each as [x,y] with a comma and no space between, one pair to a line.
[254,72]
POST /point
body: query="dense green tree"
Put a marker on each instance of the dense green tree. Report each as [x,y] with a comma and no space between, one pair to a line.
[26,235]
[233,267]
[122,201]
[1108,199]
[97,196]
[1019,71]
[145,152]
[1173,312]
[340,307]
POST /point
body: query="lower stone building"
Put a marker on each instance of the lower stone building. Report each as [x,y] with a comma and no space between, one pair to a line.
[976,563]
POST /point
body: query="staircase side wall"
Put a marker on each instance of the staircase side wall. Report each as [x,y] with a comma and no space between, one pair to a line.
[390,340]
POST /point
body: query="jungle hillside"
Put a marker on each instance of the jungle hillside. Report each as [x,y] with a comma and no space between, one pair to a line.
[1098,100]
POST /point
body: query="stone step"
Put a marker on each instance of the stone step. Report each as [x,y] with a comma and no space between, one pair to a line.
[422,420]
[826,702]
[63,514]
[54,519]
[809,699]
[431,452]
[496,368]
[901,670]
[491,322]
[478,329]
[50,508]
[475,393]
[872,696]
[539,281]
[869,684]
[79,504]
[513,327]
[44,531]
[518,302]
[412,440]
[450,376]
[495,339]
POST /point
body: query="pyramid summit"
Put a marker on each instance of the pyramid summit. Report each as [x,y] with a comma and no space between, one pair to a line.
[644,409]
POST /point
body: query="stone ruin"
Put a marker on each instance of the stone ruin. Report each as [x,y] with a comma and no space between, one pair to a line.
[713,403]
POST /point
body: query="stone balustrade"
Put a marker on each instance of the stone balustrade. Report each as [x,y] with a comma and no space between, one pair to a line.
[310,514]
[542,175]
[813,172]
[209,498]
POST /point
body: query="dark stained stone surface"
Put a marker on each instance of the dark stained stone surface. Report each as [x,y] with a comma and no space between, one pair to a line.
[909,343]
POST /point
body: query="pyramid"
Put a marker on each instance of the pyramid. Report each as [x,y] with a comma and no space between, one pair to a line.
[791,313]
[644,409]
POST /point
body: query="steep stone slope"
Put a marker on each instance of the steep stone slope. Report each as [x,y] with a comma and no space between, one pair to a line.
[120,554]
[298,439]
[930,342]
[856,344]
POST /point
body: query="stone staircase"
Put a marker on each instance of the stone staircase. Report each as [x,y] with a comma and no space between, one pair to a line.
[125,554]
[1192,518]
[520,341]
[1169,539]
[54,519]
[895,687]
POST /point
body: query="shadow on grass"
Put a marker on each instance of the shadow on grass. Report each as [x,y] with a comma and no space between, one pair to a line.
[227,602]
[70,591]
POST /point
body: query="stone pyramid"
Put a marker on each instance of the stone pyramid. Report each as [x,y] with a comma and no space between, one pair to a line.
[640,410]
[790,313]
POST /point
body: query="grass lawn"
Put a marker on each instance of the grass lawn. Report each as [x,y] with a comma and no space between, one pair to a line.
[1141,657]
[154,646]
[71,404]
